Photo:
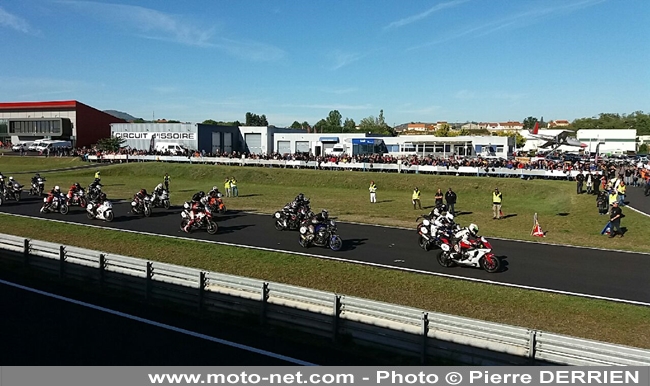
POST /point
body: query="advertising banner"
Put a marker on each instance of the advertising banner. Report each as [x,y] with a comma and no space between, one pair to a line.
[160,136]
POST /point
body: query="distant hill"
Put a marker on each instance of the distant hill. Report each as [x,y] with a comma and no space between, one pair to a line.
[121,115]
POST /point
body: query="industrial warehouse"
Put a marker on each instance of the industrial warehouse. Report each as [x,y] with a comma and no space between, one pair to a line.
[72,121]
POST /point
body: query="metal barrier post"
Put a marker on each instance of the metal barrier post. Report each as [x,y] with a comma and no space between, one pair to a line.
[338,308]
[203,282]
[425,336]
[149,280]
[102,270]
[26,251]
[532,342]
[61,261]
[265,302]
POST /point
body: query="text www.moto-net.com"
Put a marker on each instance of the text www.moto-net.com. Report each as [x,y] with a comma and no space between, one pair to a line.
[252,378]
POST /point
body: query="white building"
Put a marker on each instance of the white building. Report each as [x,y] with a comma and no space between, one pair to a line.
[612,141]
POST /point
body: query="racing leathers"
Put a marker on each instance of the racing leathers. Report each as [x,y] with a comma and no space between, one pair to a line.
[314,222]
[195,208]
[465,240]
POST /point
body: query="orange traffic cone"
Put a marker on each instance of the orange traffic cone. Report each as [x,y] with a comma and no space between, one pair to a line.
[537,229]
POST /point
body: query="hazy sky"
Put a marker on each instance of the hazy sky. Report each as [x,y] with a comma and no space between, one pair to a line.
[450,60]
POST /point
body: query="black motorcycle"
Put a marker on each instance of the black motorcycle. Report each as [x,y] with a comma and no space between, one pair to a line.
[38,187]
[290,219]
[323,235]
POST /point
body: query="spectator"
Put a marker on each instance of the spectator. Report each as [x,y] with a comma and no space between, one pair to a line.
[580,179]
[438,198]
[450,197]
[615,220]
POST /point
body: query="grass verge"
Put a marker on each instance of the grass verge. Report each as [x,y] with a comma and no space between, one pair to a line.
[13,164]
[592,319]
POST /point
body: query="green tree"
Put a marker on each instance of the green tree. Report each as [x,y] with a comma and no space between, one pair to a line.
[305,126]
[256,120]
[296,125]
[349,126]
[333,122]
[520,140]
[529,123]
[643,149]
[110,144]
[320,126]
[442,131]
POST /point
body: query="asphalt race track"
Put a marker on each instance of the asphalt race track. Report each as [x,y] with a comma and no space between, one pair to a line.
[616,275]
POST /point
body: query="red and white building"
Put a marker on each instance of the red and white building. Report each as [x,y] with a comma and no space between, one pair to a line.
[65,120]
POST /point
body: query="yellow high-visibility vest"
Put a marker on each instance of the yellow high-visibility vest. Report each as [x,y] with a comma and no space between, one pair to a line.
[416,194]
[227,184]
[496,198]
[621,189]
[373,188]
[233,182]
[613,197]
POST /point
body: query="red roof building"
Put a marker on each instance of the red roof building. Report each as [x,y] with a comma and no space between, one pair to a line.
[65,120]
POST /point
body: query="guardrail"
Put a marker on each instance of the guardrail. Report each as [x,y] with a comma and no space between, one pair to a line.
[406,330]
[356,166]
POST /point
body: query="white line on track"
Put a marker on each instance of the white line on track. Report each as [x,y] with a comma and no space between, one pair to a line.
[638,211]
[324,257]
[161,325]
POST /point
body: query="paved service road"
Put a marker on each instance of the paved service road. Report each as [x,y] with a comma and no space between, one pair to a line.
[593,272]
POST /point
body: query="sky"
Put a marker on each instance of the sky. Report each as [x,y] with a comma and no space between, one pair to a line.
[417,60]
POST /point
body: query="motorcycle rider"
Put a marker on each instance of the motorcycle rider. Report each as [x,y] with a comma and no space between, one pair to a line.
[139,197]
[55,192]
[315,221]
[157,192]
[35,179]
[167,179]
[465,240]
[95,205]
[75,188]
[214,191]
[197,205]
[12,183]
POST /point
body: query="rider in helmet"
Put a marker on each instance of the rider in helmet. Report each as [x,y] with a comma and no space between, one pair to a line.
[316,221]
[139,197]
[214,192]
[95,205]
[465,239]
[197,205]
[73,189]
[35,179]
[55,192]
[12,182]
[158,191]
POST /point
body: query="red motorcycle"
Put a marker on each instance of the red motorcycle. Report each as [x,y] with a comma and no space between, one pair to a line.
[203,220]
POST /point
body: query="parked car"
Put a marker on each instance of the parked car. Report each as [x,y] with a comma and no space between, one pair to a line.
[21,145]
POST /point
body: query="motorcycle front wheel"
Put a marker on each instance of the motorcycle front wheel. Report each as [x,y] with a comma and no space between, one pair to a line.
[147,211]
[212,227]
[491,265]
[444,259]
[278,225]
[424,244]
[63,209]
[83,202]
[90,215]
[17,196]
[303,242]
[109,216]
[166,204]
[184,224]
[336,243]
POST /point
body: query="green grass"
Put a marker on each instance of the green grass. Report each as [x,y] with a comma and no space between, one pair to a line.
[566,217]
[13,164]
[592,319]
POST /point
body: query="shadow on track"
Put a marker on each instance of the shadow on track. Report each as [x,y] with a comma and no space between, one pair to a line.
[351,244]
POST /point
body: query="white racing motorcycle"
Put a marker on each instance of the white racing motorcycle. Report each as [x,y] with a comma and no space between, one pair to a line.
[103,211]
[479,256]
